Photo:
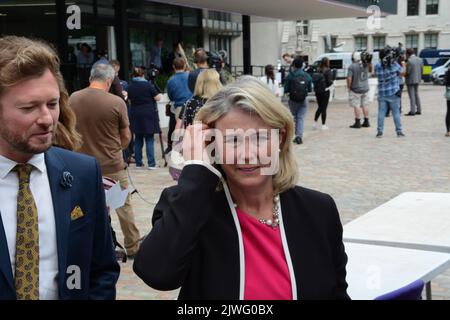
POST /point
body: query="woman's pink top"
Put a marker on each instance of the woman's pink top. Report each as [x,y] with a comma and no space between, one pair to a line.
[266,270]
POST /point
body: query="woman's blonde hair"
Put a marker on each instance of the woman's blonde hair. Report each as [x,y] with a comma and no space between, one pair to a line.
[251,95]
[207,84]
[22,58]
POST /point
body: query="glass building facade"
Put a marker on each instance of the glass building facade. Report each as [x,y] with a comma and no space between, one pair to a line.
[124,29]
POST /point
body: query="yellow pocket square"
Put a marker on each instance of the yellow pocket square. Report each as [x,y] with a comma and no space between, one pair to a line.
[76,213]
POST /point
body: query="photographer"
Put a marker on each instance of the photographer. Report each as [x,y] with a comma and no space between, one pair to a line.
[388,72]
[152,72]
[216,60]
[400,56]
[358,87]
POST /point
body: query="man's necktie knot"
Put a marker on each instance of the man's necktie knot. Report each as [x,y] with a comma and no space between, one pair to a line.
[24,172]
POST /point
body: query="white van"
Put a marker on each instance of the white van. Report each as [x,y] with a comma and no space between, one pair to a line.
[341,61]
[438,74]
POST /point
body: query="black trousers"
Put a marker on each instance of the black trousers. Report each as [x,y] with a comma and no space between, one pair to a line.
[129,151]
[322,101]
[172,124]
[447,118]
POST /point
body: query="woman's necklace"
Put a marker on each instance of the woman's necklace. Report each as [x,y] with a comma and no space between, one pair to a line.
[275,221]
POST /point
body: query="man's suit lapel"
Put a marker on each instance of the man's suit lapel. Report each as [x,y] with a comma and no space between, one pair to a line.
[5,263]
[61,198]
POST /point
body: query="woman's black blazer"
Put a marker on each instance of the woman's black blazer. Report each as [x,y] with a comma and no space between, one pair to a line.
[195,243]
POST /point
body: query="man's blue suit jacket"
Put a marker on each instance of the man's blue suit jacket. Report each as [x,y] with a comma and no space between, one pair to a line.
[84,245]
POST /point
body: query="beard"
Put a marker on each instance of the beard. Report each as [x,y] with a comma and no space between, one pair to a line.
[23,145]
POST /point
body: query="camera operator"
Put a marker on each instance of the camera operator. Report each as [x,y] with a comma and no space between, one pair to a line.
[152,73]
[358,87]
[388,72]
[401,59]
[216,61]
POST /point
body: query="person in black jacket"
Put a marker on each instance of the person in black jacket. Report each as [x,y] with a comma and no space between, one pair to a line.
[238,227]
[323,81]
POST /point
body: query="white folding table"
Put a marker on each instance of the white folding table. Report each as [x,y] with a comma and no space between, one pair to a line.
[374,270]
[412,220]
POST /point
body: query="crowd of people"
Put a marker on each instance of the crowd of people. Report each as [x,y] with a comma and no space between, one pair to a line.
[220,230]
[395,69]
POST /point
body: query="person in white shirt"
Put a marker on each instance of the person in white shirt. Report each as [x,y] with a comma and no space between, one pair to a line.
[55,237]
[270,80]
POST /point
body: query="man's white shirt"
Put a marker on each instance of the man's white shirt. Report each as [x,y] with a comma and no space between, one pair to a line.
[40,188]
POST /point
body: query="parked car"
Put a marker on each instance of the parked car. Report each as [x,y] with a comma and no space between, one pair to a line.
[438,74]
[340,61]
[432,59]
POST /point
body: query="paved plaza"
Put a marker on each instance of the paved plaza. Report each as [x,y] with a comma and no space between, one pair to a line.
[359,171]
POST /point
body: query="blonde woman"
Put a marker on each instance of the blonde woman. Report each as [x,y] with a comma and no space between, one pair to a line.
[234,230]
[207,85]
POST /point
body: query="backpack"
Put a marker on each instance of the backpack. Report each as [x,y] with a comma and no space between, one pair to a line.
[298,89]
[319,82]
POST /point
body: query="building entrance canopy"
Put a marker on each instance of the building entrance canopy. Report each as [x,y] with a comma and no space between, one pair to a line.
[293,9]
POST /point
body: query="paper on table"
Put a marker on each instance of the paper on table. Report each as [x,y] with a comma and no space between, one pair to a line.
[116,197]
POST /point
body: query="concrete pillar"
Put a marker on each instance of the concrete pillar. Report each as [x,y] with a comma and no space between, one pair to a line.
[122,37]
[370,42]
[246,40]
[61,29]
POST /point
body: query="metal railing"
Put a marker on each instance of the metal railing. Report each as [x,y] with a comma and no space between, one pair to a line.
[257,71]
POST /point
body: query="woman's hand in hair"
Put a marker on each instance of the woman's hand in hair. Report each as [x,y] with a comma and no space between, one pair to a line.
[195,140]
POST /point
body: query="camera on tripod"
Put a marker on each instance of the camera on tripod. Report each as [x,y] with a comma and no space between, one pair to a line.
[366,58]
[390,55]
[216,59]
[152,72]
